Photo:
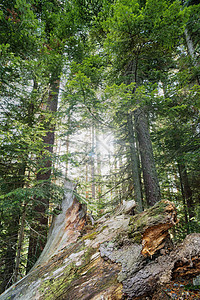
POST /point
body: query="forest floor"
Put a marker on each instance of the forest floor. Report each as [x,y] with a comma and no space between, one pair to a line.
[179,289]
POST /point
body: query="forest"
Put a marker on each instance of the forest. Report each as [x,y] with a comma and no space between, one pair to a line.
[104,94]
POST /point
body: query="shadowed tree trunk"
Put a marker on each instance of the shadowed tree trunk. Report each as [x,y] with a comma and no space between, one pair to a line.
[151,184]
[185,189]
[10,254]
[134,164]
[11,223]
[93,183]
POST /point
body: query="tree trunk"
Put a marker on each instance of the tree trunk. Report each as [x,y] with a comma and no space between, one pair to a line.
[38,235]
[151,184]
[122,257]
[65,228]
[93,183]
[10,253]
[67,147]
[86,181]
[19,246]
[99,192]
[191,51]
[185,189]
[11,228]
[134,164]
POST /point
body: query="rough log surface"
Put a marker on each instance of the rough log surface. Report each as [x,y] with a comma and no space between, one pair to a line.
[120,257]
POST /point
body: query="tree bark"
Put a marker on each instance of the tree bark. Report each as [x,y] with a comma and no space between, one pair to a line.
[10,251]
[19,246]
[99,187]
[11,227]
[185,189]
[122,257]
[191,51]
[93,183]
[134,164]
[151,184]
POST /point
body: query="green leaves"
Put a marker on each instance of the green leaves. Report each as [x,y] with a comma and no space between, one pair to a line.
[138,37]
[20,27]
[193,23]
[93,67]
[121,97]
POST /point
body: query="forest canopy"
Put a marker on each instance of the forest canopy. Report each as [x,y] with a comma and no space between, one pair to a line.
[103,93]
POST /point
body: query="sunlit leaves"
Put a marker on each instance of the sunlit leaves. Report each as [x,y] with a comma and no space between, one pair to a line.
[93,67]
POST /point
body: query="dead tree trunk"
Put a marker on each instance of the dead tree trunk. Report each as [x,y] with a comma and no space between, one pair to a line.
[121,257]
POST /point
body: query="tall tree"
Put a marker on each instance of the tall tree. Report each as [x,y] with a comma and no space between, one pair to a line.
[138,36]
[58,27]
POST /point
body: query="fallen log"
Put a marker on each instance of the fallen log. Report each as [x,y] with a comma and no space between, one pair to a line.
[120,257]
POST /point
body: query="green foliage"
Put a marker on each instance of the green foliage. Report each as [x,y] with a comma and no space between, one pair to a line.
[191,287]
[19,27]
[193,24]
[33,35]
[116,57]
[139,38]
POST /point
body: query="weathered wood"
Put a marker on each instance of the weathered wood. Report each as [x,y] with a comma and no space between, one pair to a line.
[153,225]
[120,257]
[65,227]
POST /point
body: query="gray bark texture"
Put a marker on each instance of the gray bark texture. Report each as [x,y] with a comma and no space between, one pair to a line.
[134,164]
[151,184]
[119,257]
[191,51]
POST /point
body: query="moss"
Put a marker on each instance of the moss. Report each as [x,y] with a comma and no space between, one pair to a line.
[150,217]
[137,237]
[51,289]
[102,229]
[90,280]
[87,256]
[157,210]
[137,223]
[90,236]
[120,240]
